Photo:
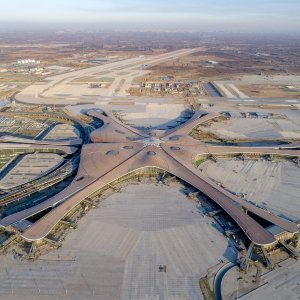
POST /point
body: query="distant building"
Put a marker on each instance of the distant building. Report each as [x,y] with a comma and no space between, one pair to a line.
[212,62]
[279,233]
[28,61]
[168,78]
[234,114]
[262,115]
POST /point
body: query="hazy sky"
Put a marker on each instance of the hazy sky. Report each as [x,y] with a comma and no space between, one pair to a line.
[197,15]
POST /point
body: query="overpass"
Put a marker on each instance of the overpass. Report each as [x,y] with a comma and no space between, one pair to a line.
[30,148]
[14,139]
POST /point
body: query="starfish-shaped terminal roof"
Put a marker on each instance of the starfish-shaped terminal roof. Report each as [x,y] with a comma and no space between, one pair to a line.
[118,149]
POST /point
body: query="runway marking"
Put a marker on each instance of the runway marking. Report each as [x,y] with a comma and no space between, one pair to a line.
[292,101]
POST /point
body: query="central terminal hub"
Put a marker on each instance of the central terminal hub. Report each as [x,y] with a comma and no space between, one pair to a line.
[152,141]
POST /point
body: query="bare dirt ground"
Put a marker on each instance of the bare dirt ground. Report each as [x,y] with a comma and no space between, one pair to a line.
[68,55]
[230,65]
[268,86]
[271,91]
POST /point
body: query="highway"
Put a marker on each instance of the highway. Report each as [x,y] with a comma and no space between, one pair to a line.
[13,139]
[64,171]
[29,148]
[57,175]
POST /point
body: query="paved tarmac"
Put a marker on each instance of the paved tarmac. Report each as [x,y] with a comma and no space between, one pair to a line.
[280,284]
[116,251]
